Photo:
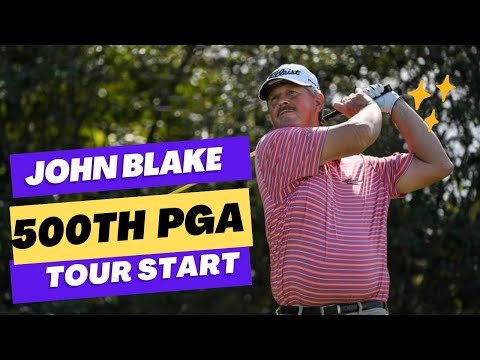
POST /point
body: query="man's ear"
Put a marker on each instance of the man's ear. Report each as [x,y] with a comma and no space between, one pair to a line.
[319,101]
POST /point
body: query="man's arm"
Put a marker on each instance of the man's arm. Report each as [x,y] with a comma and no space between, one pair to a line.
[430,163]
[358,133]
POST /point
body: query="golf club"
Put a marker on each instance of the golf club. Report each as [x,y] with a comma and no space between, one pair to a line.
[325,118]
[332,114]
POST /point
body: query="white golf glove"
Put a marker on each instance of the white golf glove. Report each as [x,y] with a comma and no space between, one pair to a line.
[385,101]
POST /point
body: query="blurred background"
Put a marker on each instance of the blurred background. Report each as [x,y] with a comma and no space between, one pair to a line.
[59,97]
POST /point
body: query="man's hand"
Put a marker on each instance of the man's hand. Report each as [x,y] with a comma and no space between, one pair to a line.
[385,101]
[353,103]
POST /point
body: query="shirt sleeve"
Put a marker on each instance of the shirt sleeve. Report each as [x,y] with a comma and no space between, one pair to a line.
[391,168]
[285,155]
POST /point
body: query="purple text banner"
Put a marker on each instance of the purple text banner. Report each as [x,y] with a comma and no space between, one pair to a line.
[130,166]
[132,275]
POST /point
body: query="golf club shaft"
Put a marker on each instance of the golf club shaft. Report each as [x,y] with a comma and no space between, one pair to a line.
[328,116]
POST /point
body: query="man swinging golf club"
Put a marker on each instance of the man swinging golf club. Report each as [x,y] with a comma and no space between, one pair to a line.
[325,203]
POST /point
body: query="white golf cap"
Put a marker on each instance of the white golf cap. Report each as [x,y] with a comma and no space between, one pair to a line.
[295,73]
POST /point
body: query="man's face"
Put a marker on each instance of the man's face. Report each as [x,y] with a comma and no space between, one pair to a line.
[290,104]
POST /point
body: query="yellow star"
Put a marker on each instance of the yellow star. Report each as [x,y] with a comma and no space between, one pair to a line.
[419,94]
[431,120]
[445,87]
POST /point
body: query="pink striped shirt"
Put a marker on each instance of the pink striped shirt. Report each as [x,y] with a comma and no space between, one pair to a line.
[326,225]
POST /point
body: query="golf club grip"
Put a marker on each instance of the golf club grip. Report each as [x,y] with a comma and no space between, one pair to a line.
[328,116]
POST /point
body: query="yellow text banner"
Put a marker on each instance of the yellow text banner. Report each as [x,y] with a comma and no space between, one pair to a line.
[131,226]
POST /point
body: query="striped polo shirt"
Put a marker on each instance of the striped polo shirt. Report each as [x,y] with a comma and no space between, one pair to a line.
[326,225]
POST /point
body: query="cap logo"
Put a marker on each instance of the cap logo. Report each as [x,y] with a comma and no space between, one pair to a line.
[284,71]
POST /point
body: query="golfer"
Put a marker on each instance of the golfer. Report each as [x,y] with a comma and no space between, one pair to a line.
[325,203]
